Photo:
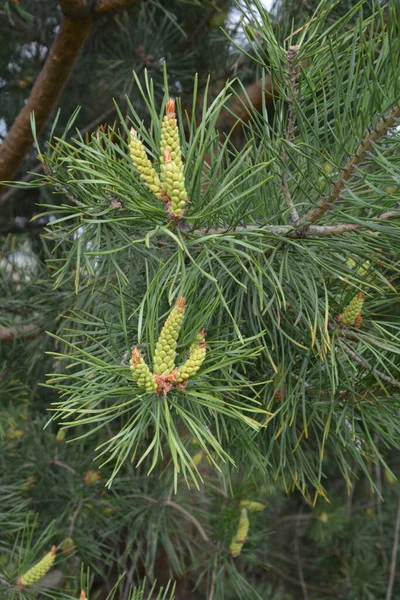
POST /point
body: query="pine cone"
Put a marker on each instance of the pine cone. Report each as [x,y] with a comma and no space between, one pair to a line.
[39,570]
[352,310]
[141,372]
[165,352]
[197,354]
[143,164]
[241,534]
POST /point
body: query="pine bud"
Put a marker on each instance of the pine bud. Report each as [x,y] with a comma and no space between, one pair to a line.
[141,372]
[197,354]
[165,352]
[241,534]
[83,596]
[91,477]
[60,437]
[197,458]
[39,570]
[174,185]
[251,505]
[352,310]
[143,164]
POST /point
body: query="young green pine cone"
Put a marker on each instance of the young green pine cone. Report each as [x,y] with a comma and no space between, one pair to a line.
[197,354]
[251,505]
[174,185]
[352,310]
[241,534]
[165,352]
[39,570]
[170,135]
[141,372]
[143,164]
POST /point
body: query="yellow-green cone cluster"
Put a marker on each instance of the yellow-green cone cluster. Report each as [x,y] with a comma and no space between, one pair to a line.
[197,354]
[352,310]
[141,372]
[143,164]
[170,185]
[165,374]
[241,534]
[251,505]
[39,570]
[165,352]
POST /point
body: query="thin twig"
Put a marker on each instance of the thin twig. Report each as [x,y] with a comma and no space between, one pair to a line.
[395,549]
[58,463]
[292,232]
[6,583]
[74,517]
[189,517]
[8,334]
[364,363]
[338,186]
[292,75]
[310,587]
[298,560]
[213,578]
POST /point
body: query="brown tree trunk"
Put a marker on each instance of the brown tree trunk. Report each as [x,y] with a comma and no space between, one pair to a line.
[44,95]
[65,51]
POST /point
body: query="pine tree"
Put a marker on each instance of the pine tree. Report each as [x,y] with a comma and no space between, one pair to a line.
[219,387]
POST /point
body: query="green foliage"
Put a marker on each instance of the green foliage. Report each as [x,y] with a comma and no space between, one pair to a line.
[287,399]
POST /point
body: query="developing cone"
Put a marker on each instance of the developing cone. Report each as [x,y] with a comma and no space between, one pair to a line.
[352,310]
[197,354]
[143,164]
[39,570]
[241,534]
[141,372]
[165,352]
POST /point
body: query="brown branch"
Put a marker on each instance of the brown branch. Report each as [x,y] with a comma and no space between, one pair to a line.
[292,75]
[338,186]
[105,6]
[29,332]
[364,363]
[47,89]
[61,59]
[6,583]
[189,517]
[292,232]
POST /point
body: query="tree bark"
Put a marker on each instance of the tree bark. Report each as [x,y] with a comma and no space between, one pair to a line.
[44,95]
[64,53]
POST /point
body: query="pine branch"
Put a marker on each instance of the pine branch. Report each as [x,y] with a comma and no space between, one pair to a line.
[292,232]
[364,363]
[9,194]
[338,186]
[292,74]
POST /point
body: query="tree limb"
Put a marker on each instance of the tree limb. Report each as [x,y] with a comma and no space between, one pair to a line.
[47,89]
[338,186]
[7,334]
[364,363]
[62,57]
[292,232]
[292,76]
